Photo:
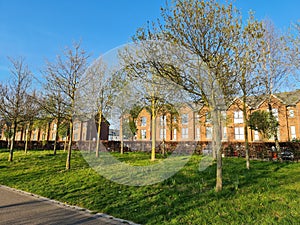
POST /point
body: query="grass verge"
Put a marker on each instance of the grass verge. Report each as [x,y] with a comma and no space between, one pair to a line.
[268,193]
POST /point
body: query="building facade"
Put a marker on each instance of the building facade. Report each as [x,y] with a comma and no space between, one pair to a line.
[194,123]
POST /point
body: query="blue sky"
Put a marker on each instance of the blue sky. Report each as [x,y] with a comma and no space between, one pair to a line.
[40,29]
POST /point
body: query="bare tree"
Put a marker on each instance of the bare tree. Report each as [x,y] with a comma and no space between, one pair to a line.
[64,77]
[101,86]
[14,97]
[56,108]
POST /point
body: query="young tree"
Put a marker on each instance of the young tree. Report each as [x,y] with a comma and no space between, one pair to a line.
[274,67]
[57,109]
[150,88]
[31,112]
[14,98]
[247,59]
[209,32]
[64,76]
[101,86]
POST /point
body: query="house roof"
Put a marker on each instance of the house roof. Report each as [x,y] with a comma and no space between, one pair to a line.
[289,98]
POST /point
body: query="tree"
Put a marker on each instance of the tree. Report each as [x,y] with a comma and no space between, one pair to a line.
[102,86]
[153,91]
[247,59]
[56,108]
[31,112]
[263,122]
[209,32]
[64,76]
[14,98]
[293,40]
[274,67]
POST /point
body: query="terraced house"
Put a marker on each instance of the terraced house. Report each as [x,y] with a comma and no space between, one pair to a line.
[193,123]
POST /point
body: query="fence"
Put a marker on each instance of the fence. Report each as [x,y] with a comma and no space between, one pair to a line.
[259,150]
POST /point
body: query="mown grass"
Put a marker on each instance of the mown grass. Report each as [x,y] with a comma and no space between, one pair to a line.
[268,193]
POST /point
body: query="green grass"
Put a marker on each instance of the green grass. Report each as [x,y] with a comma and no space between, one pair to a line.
[266,194]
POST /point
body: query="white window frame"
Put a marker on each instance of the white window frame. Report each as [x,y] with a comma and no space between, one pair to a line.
[256,135]
[185,133]
[239,133]
[175,134]
[184,118]
[208,133]
[291,113]
[224,136]
[143,134]
[163,133]
[198,134]
[143,121]
[293,132]
[163,120]
[238,117]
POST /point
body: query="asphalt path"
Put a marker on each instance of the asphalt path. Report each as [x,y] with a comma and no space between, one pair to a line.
[22,208]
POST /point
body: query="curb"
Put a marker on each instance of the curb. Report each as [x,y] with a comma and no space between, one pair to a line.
[77,208]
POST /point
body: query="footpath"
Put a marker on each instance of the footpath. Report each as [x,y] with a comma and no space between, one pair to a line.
[23,208]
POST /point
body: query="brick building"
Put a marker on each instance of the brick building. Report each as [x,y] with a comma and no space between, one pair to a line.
[193,123]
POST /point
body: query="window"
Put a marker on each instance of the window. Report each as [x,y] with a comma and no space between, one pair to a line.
[184,118]
[34,138]
[163,134]
[238,117]
[208,118]
[76,126]
[208,132]
[293,132]
[143,121]
[198,134]
[54,135]
[275,113]
[256,135]
[163,121]
[224,133]
[143,134]
[224,115]
[75,137]
[175,134]
[291,113]
[185,133]
[239,133]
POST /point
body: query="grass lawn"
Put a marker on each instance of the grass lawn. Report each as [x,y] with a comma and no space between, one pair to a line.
[269,193]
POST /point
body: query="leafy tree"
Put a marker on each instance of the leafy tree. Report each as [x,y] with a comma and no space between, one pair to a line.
[274,66]
[209,32]
[64,76]
[152,90]
[14,98]
[247,59]
[263,122]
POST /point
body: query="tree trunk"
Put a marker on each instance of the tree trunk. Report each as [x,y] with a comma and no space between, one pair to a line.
[153,130]
[56,137]
[98,134]
[217,147]
[65,145]
[68,162]
[11,151]
[121,136]
[277,145]
[26,138]
[246,135]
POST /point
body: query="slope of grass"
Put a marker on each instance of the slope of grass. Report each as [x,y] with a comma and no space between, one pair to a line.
[266,194]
